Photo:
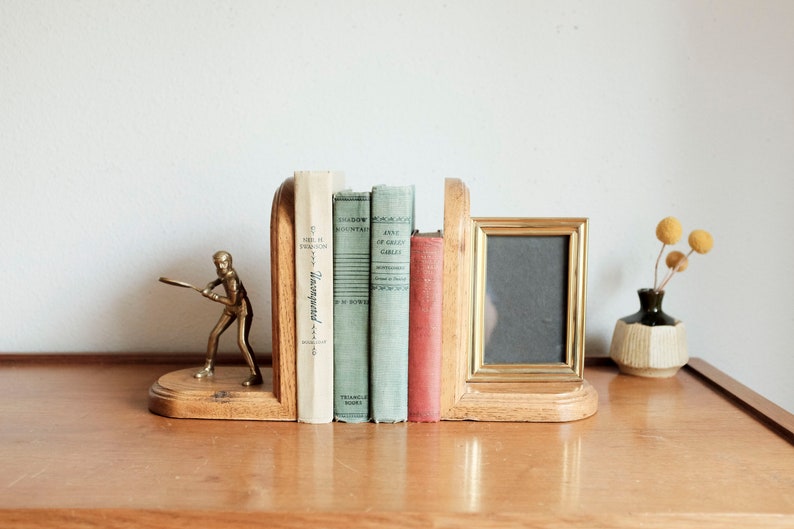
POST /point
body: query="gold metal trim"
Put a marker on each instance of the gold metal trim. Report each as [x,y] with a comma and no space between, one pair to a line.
[576,229]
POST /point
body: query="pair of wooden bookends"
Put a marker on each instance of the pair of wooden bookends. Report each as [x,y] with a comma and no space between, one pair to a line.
[178,394]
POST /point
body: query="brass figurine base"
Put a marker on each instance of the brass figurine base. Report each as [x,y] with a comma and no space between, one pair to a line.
[180,395]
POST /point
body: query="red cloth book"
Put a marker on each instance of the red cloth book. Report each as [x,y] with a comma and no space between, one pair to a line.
[424,336]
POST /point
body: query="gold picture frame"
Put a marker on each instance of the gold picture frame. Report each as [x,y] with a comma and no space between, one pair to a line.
[528,299]
[528,397]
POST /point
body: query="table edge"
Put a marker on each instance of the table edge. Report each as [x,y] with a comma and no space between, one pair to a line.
[81,518]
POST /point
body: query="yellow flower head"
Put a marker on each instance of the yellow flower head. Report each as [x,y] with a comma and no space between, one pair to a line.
[701,241]
[675,257]
[669,230]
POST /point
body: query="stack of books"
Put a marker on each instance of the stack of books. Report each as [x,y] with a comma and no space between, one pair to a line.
[368,304]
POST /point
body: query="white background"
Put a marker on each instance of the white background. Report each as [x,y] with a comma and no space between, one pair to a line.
[138,137]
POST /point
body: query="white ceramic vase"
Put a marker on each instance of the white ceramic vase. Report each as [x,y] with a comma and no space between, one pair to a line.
[649,343]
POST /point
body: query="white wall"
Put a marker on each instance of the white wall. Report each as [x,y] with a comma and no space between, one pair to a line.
[137,137]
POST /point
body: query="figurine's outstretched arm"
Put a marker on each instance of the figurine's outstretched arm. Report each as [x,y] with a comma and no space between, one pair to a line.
[231,301]
[212,284]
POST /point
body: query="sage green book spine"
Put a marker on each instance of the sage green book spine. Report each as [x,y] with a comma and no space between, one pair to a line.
[351,305]
[391,227]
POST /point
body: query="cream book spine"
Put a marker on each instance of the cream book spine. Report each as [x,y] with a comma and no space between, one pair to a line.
[314,293]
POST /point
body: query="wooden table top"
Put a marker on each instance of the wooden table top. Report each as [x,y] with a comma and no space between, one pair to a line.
[78,448]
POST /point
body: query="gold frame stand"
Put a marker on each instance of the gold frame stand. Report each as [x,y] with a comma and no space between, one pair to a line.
[527,401]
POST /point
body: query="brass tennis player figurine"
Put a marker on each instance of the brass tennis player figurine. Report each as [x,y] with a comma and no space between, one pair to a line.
[236,307]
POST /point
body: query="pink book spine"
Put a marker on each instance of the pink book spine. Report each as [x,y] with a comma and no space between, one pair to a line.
[424,336]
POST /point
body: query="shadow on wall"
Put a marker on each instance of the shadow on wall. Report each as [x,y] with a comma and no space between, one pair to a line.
[597,345]
[179,320]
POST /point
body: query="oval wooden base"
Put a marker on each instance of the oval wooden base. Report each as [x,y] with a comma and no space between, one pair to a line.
[178,394]
[222,396]
[526,402]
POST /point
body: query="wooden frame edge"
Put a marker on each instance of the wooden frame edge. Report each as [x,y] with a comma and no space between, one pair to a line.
[282,276]
[456,288]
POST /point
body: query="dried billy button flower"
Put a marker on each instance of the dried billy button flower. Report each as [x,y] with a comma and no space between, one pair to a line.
[669,229]
[701,241]
[676,259]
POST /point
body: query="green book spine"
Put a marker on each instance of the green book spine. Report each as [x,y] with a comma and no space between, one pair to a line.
[351,306]
[391,227]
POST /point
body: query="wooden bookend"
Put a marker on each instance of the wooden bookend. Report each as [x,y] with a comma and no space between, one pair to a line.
[222,396]
[529,401]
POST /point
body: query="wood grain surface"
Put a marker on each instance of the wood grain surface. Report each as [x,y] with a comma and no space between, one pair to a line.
[78,448]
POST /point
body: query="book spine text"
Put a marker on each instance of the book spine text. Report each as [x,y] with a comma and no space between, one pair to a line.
[351,305]
[391,229]
[424,344]
[314,293]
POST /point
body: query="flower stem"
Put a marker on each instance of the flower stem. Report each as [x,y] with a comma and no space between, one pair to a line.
[672,272]
[656,268]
